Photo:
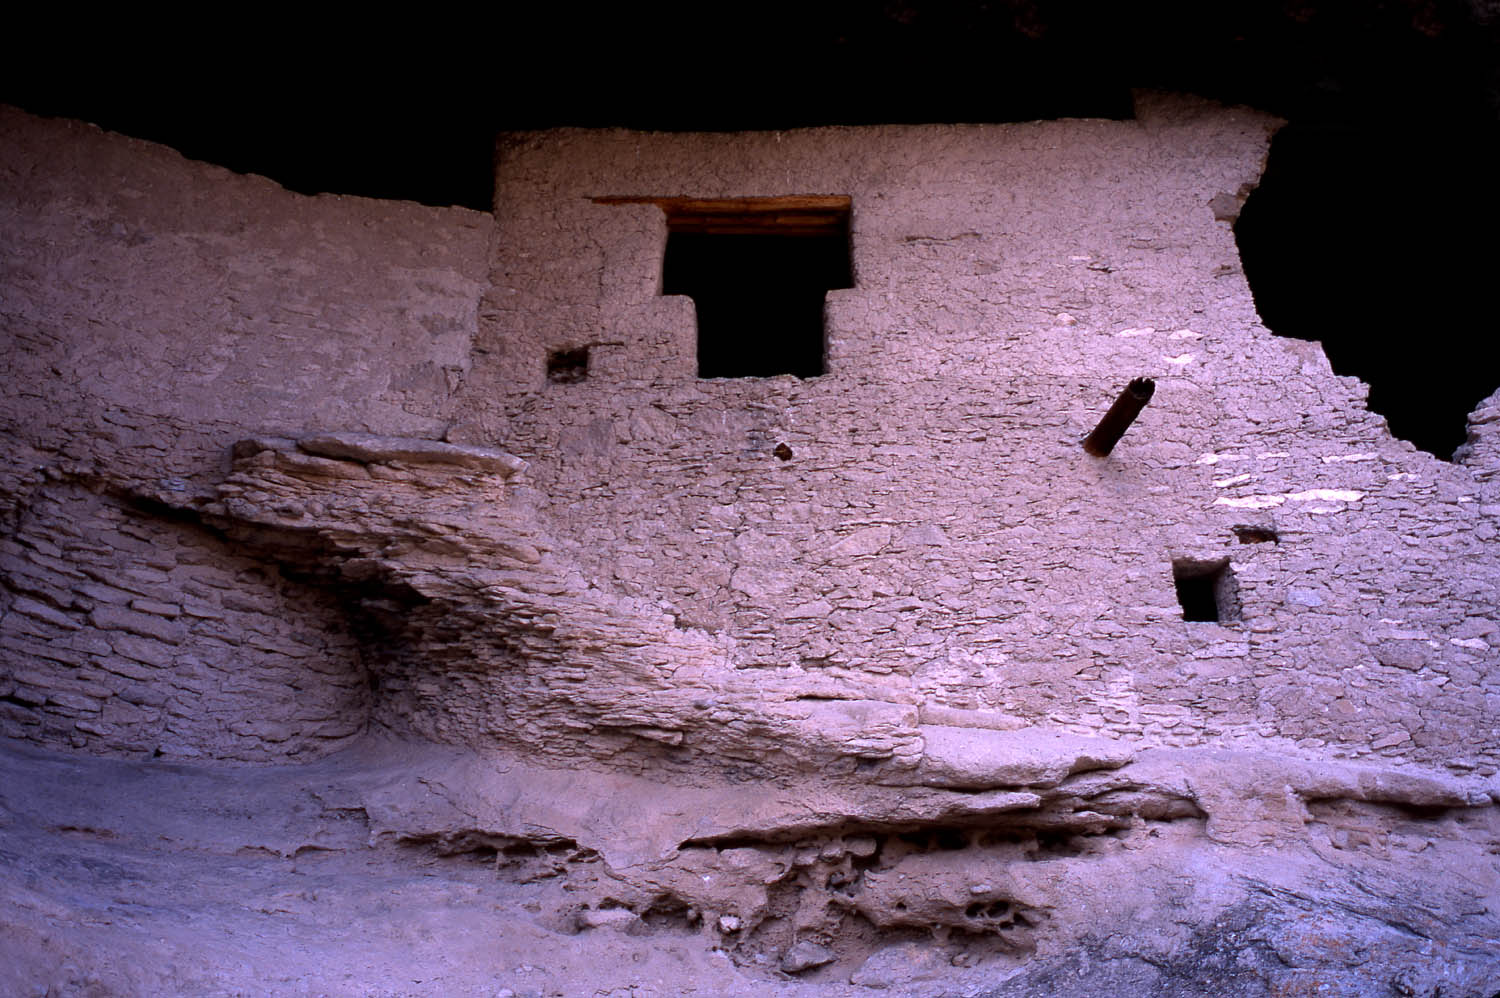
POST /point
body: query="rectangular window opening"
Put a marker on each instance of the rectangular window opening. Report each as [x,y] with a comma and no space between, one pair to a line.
[1207,590]
[758,270]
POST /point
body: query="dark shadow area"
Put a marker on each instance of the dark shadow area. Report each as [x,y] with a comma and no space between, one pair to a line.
[568,367]
[1195,593]
[759,298]
[311,143]
[1377,239]
[1206,591]
[408,108]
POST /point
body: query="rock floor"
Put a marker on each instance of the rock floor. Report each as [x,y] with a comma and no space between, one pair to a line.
[126,878]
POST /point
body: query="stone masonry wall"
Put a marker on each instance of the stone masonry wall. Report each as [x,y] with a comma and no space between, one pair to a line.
[138,634]
[938,522]
[873,670]
[153,311]
[932,539]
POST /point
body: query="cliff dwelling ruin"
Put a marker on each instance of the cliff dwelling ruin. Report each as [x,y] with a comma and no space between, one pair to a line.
[686,578]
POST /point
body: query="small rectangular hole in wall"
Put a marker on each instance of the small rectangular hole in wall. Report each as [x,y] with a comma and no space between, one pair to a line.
[758,270]
[567,367]
[1207,590]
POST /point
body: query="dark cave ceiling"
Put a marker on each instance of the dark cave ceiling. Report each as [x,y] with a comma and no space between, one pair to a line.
[1372,231]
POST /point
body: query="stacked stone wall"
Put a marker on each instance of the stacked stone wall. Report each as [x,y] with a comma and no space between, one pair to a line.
[136,278]
[918,528]
[153,311]
[138,634]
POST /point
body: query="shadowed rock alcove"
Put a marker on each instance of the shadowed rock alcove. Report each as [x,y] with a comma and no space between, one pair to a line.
[1366,237]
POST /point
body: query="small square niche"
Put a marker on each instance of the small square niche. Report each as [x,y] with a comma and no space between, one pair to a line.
[1207,590]
[568,367]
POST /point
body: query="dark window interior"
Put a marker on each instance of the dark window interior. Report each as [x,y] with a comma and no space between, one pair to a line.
[568,367]
[759,299]
[1207,591]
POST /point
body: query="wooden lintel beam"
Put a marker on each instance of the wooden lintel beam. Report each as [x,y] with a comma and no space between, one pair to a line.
[798,214]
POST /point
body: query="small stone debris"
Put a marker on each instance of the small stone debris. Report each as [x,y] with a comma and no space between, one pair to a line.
[604,918]
[806,956]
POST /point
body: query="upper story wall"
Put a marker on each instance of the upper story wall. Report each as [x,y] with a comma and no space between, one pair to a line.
[952,225]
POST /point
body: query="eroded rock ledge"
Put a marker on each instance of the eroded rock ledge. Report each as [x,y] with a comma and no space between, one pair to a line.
[479,631]
[1162,866]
